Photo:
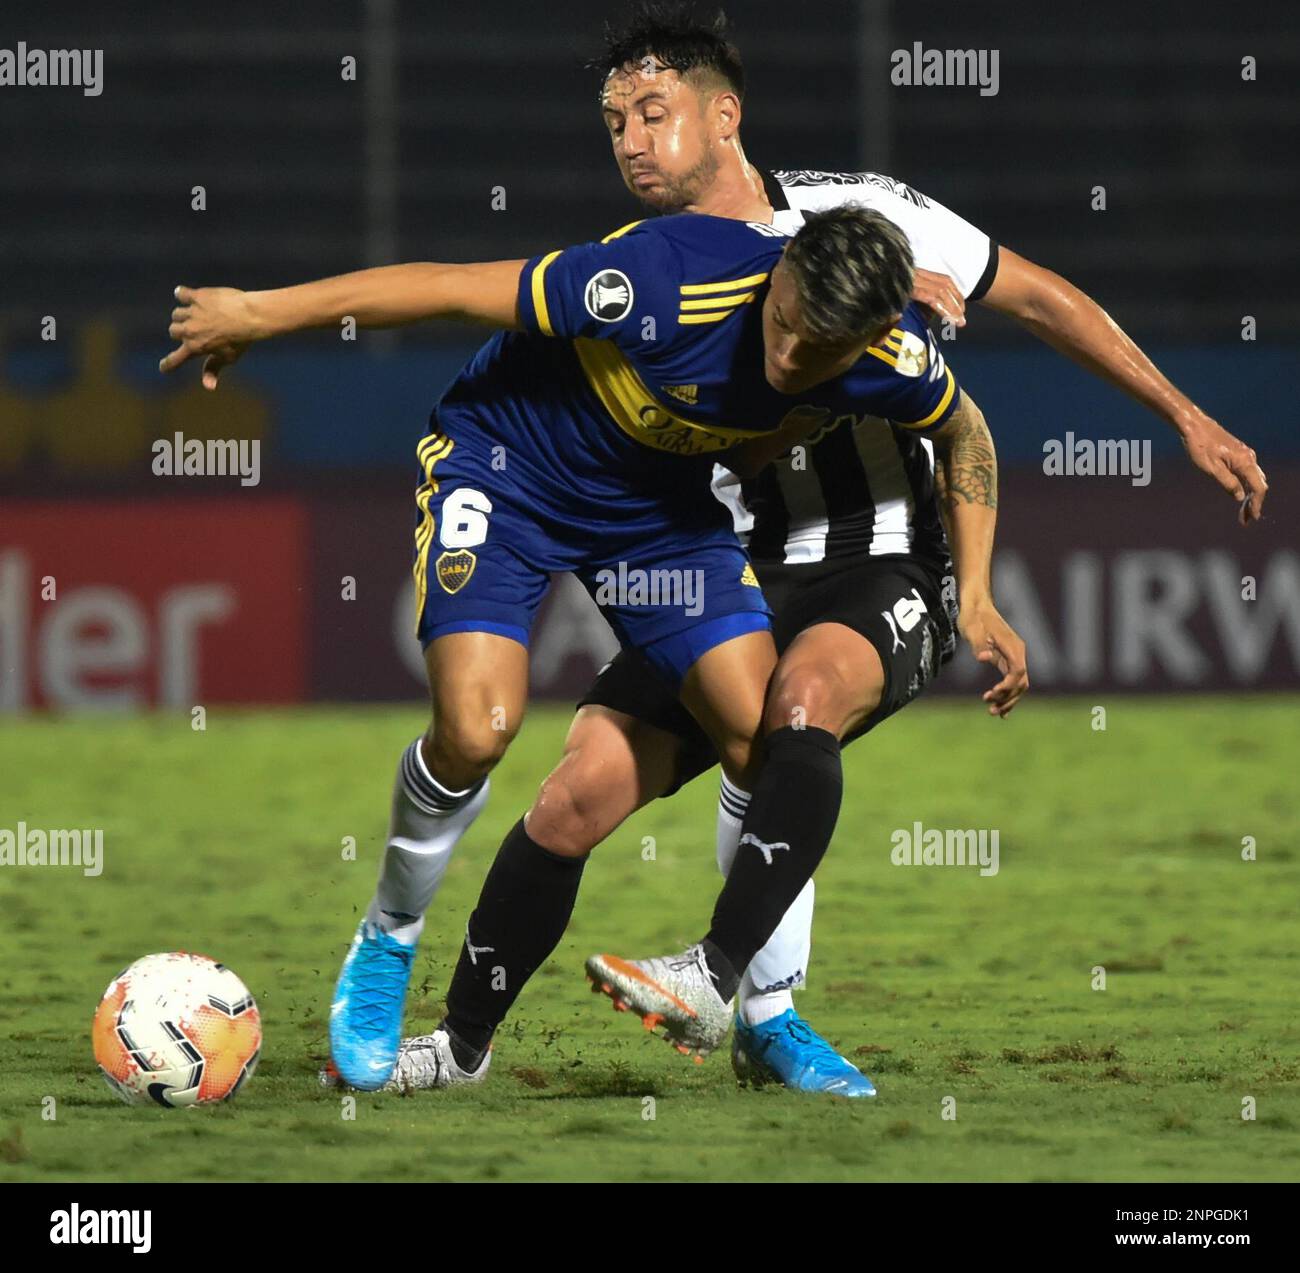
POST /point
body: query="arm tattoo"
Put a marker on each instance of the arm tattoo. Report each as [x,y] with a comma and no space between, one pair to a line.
[968,459]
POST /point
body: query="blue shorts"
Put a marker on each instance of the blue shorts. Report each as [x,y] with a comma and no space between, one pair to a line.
[669,575]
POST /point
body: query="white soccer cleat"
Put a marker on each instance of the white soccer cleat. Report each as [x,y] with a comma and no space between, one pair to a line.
[423,1061]
[673,991]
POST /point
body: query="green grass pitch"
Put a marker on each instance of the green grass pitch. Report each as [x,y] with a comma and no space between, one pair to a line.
[1120,848]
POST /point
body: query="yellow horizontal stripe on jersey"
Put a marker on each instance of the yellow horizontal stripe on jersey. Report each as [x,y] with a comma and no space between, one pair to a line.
[714,302]
[703,289]
[949,390]
[539,293]
[894,340]
[639,414]
[622,230]
[876,352]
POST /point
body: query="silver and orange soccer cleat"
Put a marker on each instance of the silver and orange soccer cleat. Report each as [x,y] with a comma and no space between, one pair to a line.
[675,992]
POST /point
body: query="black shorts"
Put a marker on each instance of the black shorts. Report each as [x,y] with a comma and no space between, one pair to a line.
[900,604]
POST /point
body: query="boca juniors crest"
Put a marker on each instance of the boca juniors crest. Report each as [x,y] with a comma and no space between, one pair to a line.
[454,569]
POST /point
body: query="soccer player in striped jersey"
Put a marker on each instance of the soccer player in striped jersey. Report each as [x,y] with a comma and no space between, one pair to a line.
[671,100]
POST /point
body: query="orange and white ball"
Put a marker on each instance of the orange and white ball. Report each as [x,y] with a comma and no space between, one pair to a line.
[177,1029]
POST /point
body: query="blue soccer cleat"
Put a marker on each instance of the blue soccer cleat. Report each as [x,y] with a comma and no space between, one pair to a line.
[787,1050]
[366,1015]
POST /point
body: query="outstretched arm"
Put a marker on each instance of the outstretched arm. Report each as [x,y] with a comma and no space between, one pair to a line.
[1074,324]
[967,477]
[221,322]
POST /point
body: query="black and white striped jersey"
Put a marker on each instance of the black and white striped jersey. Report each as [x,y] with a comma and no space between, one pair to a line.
[862,485]
[940,240]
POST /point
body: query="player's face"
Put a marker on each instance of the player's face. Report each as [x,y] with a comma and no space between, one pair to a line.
[792,362]
[659,129]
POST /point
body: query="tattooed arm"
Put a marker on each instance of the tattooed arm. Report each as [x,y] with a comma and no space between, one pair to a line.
[966,470]
[966,475]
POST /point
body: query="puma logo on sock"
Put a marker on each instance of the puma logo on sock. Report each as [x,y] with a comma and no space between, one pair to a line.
[475,951]
[765,849]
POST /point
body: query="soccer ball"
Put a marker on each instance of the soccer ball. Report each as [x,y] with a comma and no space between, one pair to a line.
[178,1029]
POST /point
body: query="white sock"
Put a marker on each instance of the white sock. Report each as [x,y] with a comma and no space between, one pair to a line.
[732,803]
[426,823]
[783,962]
[756,1006]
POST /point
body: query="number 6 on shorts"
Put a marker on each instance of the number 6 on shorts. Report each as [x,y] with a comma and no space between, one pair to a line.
[464,518]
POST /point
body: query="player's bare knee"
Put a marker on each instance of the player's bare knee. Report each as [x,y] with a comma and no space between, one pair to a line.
[461,752]
[801,698]
[817,696]
[567,818]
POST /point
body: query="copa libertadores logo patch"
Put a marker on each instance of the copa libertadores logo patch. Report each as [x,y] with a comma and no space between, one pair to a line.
[608,296]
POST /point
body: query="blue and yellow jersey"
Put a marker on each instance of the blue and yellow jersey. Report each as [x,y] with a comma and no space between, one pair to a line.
[645,350]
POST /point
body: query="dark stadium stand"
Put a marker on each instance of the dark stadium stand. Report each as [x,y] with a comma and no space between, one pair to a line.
[307,174]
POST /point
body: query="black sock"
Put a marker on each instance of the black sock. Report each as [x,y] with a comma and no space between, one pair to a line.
[468,1057]
[784,836]
[521,915]
[725,978]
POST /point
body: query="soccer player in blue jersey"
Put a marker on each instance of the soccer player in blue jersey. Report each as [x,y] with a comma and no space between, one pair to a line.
[582,439]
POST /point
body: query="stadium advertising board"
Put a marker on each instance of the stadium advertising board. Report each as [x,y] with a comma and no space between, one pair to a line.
[151,603]
[279,599]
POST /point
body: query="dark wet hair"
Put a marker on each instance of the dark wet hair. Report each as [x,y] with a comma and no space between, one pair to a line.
[852,271]
[677,39]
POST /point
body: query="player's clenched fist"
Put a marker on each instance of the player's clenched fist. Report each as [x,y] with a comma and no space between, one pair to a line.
[213,321]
